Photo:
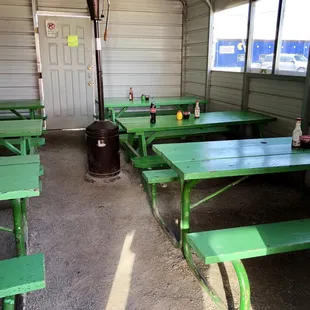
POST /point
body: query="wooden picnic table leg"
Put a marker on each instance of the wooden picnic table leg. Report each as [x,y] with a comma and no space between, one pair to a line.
[19,219]
[24,203]
[32,114]
[113,115]
[142,144]
[8,303]
[186,187]
[244,284]
[159,219]
[23,146]
[18,227]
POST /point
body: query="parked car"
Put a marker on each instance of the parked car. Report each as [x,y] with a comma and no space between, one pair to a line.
[288,62]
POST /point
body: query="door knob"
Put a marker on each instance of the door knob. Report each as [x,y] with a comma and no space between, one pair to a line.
[89,67]
[90,83]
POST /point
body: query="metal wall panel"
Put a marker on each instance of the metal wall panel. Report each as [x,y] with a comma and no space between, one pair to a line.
[18,78]
[143,49]
[197,37]
[226,4]
[76,6]
[282,99]
[225,91]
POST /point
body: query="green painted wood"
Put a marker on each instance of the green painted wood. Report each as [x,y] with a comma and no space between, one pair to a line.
[21,104]
[160,176]
[36,141]
[224,245]
[19,177]
[206,160]
[7,117]
[212,119]
[147,162]
[21,128]
[124,102]
[22,275]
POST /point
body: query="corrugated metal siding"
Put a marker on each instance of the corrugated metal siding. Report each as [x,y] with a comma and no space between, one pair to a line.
[226,4]
[143,49]
[18,78]
[76,6]
[197,36]
[282,99]
[225,91]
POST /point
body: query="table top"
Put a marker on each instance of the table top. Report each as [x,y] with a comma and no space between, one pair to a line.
[21,128]
[124,102]
[207,160]
[19,176]
[20,104]
[210,119]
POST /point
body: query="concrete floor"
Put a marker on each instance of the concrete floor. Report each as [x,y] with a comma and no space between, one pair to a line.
[104,250]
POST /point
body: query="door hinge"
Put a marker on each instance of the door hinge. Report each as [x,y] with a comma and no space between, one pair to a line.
[36,29]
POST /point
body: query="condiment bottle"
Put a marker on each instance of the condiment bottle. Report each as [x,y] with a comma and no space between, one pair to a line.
[130,94]
[197,110]
[297,133]
[179,115]
[153,113]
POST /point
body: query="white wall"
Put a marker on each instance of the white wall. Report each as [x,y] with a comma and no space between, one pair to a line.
[143,50]
[18,78]
[279,98]
[225,91]
[196,56]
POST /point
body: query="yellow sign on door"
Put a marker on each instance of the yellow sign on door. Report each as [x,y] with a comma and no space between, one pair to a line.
[73,41]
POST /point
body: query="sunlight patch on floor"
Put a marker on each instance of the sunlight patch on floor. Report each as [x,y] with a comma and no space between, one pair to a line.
[122,280]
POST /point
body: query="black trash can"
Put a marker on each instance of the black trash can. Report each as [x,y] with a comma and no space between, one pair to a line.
[103,156]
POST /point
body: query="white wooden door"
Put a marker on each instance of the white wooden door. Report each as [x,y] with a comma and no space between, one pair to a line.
[67,72]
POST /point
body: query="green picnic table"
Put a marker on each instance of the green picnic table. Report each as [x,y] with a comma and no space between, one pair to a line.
[122,104]
[192,162]
[20,131]
[19,180]
[169,126]
[18,106]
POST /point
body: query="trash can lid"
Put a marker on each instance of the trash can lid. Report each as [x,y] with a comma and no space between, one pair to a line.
[105,127]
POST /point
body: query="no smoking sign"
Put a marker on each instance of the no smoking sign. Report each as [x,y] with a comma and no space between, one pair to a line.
[50,28]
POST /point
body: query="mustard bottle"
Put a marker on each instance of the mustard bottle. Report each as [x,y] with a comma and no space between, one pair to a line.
[179,115]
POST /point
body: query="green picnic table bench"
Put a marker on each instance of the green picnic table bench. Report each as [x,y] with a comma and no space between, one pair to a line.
[16,108]
[20,275]
[117,107]
[168,126]
[192,162]
[19,180]
[21,133]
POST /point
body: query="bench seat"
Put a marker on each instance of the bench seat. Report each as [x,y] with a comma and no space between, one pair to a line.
[250,241]
[149,162]
[21,275]
[160,176]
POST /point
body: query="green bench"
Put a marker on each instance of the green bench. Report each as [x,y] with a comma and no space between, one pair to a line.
[152,178]
[19,276]
[149,162]
[234,244]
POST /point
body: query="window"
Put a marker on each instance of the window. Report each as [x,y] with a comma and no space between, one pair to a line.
[230,32]
[294,40]
[264,34]
[293,43]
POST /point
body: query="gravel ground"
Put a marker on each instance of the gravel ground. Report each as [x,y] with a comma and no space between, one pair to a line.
[104,250]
